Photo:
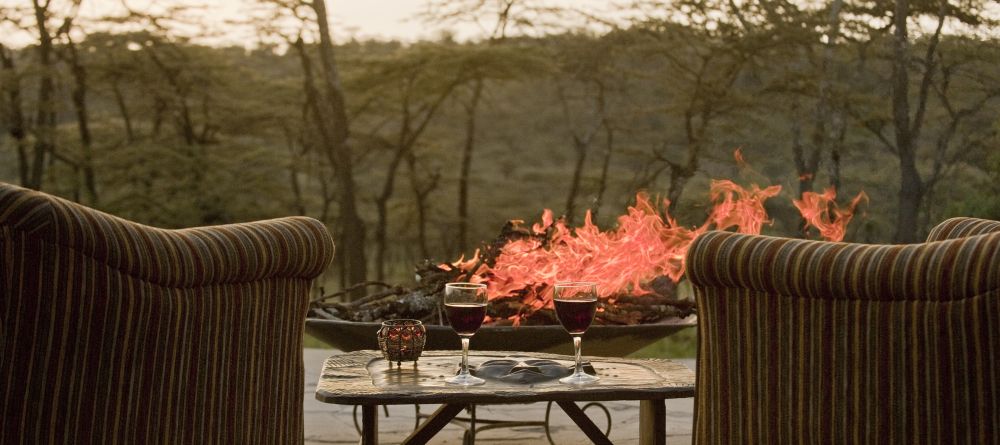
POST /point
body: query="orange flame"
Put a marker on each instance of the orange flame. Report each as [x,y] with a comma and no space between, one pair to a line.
[643,246]
[817,208]
[746,212]
[741,162]
[646,243]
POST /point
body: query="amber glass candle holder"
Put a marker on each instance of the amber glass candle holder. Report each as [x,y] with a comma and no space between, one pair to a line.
[402,340]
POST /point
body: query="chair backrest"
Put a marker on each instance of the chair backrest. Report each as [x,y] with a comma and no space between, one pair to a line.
[805,342]
[961,227]
[115,332]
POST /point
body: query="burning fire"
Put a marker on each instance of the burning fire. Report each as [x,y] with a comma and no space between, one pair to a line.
[745,212]
[646,243]
[643,246]
[816,210]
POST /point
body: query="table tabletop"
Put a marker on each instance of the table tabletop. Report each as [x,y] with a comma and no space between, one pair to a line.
[364,377]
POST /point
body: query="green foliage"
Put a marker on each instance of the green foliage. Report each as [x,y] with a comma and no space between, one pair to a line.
[975,196]
[683,344]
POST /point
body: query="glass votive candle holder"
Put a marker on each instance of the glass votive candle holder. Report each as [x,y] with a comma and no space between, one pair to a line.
[402,340]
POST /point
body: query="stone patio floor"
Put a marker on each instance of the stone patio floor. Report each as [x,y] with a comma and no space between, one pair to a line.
[334,424]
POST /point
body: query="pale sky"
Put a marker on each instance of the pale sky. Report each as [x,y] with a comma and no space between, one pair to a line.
[360,19]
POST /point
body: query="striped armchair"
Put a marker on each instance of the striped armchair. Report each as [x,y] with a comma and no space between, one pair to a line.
[807,342]
[114,332]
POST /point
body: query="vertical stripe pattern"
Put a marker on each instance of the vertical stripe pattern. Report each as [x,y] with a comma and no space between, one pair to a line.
[962,227]
[806,342]
[114,332]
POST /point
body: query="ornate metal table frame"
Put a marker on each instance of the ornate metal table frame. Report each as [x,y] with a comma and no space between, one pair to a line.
[347,379]
[474,425]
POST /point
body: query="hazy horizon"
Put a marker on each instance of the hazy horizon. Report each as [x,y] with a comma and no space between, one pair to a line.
[213,23]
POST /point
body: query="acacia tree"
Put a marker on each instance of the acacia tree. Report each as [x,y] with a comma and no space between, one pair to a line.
[327,109]
[810,79]
[423,181]
[412,85]
[584,83]
[705,48]
[917,59]
[45,112]
[967,91]
[182,83]
[12,111]
[42,19]
[489,63]
[69,54]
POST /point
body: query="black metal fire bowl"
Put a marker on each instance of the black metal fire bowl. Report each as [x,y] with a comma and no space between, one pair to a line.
[600,340]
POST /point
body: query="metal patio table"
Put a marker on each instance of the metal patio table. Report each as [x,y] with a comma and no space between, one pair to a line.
[364,378]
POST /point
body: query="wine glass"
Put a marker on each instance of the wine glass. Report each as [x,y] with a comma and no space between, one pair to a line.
[465,304]
[575,304]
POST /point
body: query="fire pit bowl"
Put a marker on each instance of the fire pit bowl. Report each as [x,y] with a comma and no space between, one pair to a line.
[600,340]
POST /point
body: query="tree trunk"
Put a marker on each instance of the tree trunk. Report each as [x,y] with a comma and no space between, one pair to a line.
[694,130]
[83,121]
[14,113]
[463,178]
[910,192]
[352,237]
[382,205]
[408,136]
[183,120]
[835,176]
[805,166]
[45,117]
[807,160]
[679,177]
[159,110]
[382,200]
[574,185]
[421,192]
[910,198]
[824,128]
[582,145]
[123,110]
[835,169]
[380,238]
[602,184]
[295,158]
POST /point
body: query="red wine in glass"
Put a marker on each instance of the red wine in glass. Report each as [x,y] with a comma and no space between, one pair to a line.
[576,315]
[465,318]
[465,304]
[576,304]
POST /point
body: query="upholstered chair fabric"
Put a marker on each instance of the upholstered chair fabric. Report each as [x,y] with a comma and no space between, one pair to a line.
[962,227]
[113,332]
[808,342]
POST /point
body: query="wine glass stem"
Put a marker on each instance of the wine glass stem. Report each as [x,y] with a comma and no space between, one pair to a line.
[465,355]
[576,346]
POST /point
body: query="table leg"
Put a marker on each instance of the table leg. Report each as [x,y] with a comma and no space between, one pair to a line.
[369,424]
[584,423]
[434,423]
[471,432]
[652,422]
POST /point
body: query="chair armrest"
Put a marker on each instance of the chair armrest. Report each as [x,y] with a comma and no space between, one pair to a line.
[961,227]
[939,271]
[293,247]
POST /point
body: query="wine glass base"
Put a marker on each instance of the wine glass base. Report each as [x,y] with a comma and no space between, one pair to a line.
[579,379]
[466,380]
